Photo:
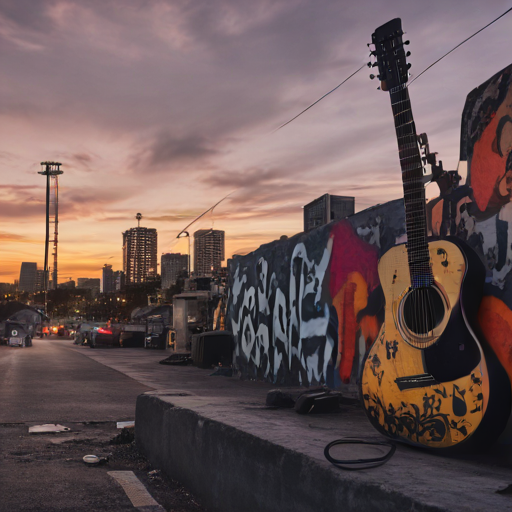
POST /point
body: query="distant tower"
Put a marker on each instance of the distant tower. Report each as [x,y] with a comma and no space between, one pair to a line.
[327,208]
[208,251]
[51,170]
[139,254]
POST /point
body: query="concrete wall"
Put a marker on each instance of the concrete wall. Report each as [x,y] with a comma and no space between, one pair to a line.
[305,310]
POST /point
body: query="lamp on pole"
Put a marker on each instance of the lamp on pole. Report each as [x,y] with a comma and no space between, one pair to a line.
[187,235]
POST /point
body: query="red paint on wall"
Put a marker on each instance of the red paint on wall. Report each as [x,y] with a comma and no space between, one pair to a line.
[351,254]
[487,168]
[354,275]
[495,320]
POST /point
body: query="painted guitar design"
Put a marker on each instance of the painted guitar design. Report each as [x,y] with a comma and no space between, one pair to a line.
[429,379]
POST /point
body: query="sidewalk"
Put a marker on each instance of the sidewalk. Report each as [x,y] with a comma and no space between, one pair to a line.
[215,435]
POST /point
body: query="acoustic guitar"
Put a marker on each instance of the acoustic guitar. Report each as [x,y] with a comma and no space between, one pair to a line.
[429,379]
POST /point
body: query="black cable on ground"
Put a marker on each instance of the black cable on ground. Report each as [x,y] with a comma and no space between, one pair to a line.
[355,464]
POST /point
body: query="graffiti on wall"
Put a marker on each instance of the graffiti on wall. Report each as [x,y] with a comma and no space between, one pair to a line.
[305,310]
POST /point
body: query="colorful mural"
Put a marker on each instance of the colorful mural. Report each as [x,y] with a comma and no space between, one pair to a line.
[304,310]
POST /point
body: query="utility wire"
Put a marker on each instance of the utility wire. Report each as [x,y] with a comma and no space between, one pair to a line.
[346,80]
[415,78]
[203,214]
[313,104]
[460,44]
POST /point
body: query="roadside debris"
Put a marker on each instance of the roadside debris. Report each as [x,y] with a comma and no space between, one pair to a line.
[94,460]
[318,402]
[222,371]
[177,359]
[155,475]
[48,428]
[315,400]
[278,398]
[125,424]
[126,436]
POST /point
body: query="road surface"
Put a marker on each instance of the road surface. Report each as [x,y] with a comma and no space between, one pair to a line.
[51,383]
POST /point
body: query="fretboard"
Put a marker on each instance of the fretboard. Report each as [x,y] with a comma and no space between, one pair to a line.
[414,190]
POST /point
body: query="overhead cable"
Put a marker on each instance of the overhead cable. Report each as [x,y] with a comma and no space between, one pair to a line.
[320,99]
[460,44]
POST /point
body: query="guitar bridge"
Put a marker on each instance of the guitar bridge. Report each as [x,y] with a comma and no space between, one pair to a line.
[416,381]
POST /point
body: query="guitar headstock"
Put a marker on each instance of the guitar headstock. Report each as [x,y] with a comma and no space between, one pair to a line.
[390,54]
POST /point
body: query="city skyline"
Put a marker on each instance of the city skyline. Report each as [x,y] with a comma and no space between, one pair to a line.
[166,109]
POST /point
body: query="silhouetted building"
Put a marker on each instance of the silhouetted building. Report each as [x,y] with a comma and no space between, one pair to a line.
[108,279]
[7,288]
[28,277]
[119,280]
[327,208]
[139,255]
[89,283]
[67,285]
[172,265]
[208,251]
[39,280]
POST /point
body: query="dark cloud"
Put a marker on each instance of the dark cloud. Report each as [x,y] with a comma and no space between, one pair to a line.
[166,151]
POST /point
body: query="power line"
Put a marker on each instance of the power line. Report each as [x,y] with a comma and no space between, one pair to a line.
[313,104]
[203,214]
[460,44]
[415,78]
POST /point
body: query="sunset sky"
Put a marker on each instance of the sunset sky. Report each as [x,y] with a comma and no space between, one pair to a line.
[165,107]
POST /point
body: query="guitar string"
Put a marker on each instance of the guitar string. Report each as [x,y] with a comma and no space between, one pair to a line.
[421,302]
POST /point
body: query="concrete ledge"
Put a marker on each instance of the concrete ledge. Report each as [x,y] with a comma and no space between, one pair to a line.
[240,457]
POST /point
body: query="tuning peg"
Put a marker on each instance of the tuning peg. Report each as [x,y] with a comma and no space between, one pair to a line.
[378,88]
[407,42]
[369,64]
[409,65]
[373,53]
[372,77]
[408,54]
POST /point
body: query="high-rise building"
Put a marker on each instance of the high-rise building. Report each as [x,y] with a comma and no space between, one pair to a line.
[28,277]
[108,279]
[208,251]
[171,266]
[118,280]
[39,280]
[327,208]
[139,254]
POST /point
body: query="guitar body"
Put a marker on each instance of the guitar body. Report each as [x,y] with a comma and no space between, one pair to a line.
[451,392]
[429,379]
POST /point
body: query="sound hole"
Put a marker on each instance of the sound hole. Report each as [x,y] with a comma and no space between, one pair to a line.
[423,310]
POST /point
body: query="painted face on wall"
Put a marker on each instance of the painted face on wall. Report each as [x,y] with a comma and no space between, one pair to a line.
[490,167]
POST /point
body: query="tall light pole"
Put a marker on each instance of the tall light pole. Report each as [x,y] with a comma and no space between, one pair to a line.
[52,171]
[187,235]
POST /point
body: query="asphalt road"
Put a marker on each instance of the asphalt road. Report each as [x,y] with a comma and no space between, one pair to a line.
[52,383]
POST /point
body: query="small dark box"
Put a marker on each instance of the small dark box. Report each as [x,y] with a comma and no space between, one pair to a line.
[211,348]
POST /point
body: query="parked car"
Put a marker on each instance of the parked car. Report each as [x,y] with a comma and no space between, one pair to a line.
[104,337]
[17,335]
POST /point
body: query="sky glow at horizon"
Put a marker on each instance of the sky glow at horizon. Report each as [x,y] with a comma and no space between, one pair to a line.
[165,107]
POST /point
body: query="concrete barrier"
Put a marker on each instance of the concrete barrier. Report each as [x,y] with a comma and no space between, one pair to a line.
[213,448]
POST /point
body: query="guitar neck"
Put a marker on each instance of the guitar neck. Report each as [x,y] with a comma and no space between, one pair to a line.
[414,190]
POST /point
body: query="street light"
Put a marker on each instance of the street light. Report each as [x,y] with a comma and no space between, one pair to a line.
[187,235]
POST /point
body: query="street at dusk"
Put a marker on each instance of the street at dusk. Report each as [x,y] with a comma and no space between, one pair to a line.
[55,385]
[255,256]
